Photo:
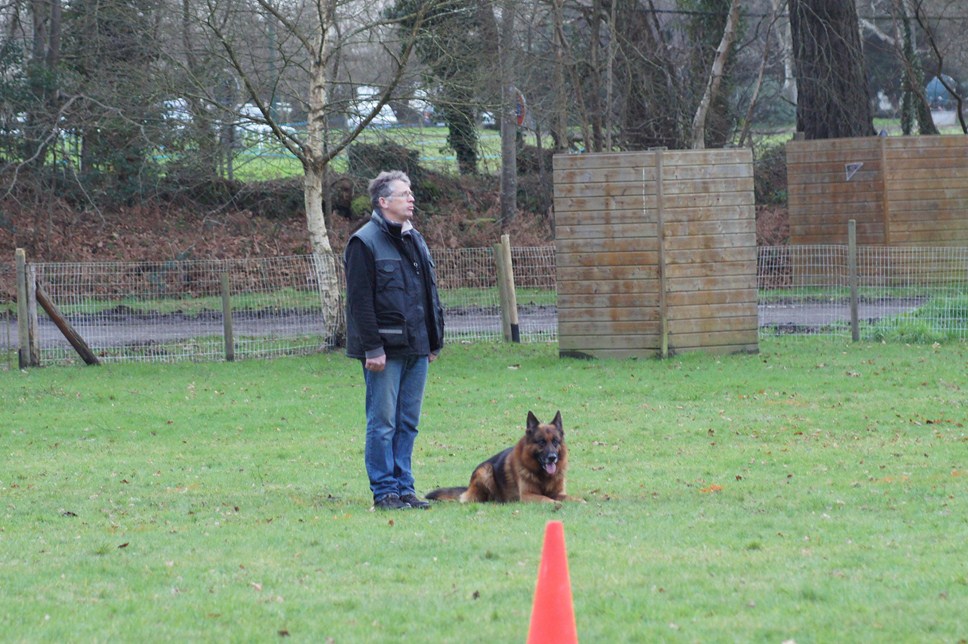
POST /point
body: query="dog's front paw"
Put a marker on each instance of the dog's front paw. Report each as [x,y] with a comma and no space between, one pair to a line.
[572,499]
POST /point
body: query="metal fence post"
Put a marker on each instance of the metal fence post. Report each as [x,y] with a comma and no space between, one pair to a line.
[662,269]
[33,317]
[23,314]
[228,331]
[509,299]
[852,277]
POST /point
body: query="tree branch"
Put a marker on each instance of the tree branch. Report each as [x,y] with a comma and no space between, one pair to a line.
[715,76]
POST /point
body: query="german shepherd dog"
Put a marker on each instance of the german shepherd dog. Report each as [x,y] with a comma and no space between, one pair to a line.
[531,470]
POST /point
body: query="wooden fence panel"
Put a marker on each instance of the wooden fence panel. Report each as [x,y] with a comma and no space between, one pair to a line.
[902,191]
[656,250]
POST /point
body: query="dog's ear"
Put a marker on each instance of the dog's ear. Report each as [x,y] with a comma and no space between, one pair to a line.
[532,421]
[557,421]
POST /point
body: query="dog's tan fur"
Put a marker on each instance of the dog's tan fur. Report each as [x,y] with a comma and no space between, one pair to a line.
[532,470]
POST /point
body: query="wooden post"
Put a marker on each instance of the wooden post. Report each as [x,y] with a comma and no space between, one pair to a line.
[502,292]
[33,320]
[660,223]
[227,318]
[852,277]
[65,327]
[511,297]
[885,197]
[23,331]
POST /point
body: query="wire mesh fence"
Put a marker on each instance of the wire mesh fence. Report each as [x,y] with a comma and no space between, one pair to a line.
[467,282]
[253,308]
[535,282]
[8,316]
[900,293]
[186,310]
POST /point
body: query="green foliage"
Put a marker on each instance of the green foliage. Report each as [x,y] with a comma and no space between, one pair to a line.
[704,26]
[940,320]
[14,98]
[462,130]
[536,193]
[813,492]
[452,38]
[773,109]
[769,174]
[366,160]
[361,206]
[106,56]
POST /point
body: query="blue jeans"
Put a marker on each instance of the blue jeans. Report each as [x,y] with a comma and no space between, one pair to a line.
[393,400]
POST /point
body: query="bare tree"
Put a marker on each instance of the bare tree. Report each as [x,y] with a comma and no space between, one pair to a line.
[914,105]
[831,83]
[744,135]
[454,46]
[42,67]
[715,77]
[559,129]
[314,33]
[923,21]
[509,125]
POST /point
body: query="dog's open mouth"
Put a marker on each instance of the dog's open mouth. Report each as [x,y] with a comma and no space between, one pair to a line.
[550,467]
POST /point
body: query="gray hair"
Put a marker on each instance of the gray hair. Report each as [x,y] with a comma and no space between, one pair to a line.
[380,186]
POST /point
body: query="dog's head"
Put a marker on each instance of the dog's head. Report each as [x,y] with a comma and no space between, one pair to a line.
[546,442]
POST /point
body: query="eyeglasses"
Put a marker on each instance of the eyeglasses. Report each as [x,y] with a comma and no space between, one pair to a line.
[403,195]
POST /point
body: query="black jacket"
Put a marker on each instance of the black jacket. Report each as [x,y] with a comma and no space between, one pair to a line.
[392,305]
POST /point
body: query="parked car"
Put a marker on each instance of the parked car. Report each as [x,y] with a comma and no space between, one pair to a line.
[384,118]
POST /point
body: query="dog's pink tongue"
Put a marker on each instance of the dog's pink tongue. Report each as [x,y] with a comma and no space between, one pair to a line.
[551,468]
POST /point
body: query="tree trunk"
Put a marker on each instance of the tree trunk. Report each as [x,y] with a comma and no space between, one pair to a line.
[929,32]
[559,127]
[205,132]
[509,124]
[315,217]
[594,76]
[315,155]
[652,102]
[42,74]
[748,120]
[832,85]
[715,76]
[314,169]
[610,77]
[789,68]
[914,102]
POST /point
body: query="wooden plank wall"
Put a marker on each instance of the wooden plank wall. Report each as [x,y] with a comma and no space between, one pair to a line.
[822,199]
[927,191]
[909,190]
[654,245]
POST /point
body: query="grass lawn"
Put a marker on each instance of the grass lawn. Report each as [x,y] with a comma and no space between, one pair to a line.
[262,159]
[815,492]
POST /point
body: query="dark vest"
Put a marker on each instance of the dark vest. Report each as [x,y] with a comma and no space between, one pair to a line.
[406,302]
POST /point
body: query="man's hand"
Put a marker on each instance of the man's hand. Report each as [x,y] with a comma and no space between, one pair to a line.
[376,364]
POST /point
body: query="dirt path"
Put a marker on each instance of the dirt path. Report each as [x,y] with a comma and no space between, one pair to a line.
[120,330]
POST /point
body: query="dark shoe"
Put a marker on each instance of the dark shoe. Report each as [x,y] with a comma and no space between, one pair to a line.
[414,502]
[391,502]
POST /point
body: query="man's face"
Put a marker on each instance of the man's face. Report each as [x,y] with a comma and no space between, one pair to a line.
[398,207]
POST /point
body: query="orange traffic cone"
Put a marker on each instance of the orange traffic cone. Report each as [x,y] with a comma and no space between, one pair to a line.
[553,615]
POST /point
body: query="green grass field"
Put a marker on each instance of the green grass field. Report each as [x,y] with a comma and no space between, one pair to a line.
[816,492]
[262,158]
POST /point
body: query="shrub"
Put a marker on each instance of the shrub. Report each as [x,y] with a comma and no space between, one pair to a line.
[772,226]
[361,206]
[367,160]
[769,174]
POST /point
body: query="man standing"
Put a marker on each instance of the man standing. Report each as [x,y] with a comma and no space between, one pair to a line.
[395,327]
